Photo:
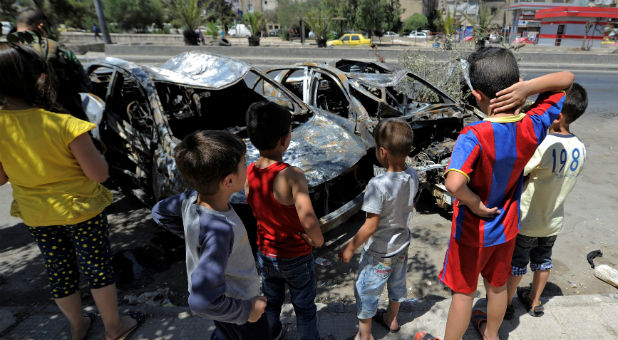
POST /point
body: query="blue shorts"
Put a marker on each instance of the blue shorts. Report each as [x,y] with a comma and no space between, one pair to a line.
[375,272]
[533,250]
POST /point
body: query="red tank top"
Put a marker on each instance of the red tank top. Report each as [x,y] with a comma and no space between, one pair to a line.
[277,225]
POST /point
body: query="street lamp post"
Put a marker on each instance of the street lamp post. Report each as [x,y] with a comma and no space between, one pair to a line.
[102,24]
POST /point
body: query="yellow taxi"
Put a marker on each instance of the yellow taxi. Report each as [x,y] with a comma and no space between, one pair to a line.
[350,39]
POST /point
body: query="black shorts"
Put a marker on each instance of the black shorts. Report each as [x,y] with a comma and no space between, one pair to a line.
[533,250]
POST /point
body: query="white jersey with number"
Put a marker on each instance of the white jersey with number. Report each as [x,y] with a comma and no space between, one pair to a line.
[551,175]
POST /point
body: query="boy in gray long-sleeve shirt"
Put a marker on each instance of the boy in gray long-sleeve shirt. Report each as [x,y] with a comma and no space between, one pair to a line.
[223,281]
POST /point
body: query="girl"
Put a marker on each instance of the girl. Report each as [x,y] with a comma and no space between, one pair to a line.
[55,172]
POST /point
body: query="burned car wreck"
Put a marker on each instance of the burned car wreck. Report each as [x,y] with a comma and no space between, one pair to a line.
[143,112]
[367,92]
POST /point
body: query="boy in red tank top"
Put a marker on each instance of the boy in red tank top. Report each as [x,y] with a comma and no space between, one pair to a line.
[287,227]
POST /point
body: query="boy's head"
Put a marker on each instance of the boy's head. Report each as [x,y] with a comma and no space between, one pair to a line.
[575,103]
[267,123]
[208,159]
[492,69]
[395,136]
[31,19]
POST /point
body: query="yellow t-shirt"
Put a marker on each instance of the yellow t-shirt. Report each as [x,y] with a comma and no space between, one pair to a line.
[552,171]
[49,187]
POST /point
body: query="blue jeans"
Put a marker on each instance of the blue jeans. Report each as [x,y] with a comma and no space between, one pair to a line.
[534,250]
[299,275]
[375,272]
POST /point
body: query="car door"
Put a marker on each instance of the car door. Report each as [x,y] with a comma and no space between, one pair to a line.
[295,79]
[127,127]
[346,39]
[355,40]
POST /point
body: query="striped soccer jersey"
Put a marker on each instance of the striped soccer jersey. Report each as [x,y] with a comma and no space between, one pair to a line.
[492,155]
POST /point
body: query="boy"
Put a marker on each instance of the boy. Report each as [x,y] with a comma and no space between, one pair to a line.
[388,202]
[485,176]
[550,176]
[223,281]
[287,227]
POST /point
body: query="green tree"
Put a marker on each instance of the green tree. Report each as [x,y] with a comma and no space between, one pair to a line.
[189,12]
[415,22]
[8,11]
[135,14]
[393,11]
[446,23]
[255,22]
[370,15]
[318,20]
[220,11]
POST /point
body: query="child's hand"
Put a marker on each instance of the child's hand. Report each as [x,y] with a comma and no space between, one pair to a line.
[483,212]
[510,98]
[308,239]
[346,254]
[258,304]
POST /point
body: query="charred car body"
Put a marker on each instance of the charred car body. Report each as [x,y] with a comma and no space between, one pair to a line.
[143,112]
[367,92]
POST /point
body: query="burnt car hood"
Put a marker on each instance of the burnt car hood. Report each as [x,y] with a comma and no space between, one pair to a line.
[200,69]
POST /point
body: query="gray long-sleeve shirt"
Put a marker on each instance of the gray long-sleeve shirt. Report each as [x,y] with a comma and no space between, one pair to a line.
[220,267]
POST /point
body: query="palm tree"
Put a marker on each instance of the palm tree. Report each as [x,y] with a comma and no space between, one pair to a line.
[255,21]
[482,23]
[319,21]
[447,22]
[190,13]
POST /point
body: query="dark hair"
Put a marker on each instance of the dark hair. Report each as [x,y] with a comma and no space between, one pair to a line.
[205,157]
[24,74]
[575,103]
[267,123]
[395,135]
[492,69]
[30,17]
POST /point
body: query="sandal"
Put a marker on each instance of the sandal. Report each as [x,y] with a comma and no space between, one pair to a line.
[422,335]
[524,298]
[139,317]
[478,317]
[379,318]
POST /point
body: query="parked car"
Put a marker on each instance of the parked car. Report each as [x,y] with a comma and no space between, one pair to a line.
[143,112]
[239,30]
[367,92]
[6,27]
[390,34]
[350,39]
[418,35]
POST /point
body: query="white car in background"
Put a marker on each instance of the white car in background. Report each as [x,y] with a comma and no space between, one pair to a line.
[239,31]
[418,35]
[6,27]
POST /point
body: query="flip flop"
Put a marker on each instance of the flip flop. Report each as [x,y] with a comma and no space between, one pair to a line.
[379,318]
[524,298]
[478,317]
[139,317]
[92,318]
[422,335]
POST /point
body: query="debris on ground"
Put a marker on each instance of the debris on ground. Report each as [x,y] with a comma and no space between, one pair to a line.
[157,298]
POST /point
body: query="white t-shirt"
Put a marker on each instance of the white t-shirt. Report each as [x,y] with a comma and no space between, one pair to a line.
[552,171]
[390,195]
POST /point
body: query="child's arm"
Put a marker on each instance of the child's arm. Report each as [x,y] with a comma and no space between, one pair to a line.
[515,95]
[207,295]
[457,184]
[89,158]
[364,233]
[168,213]
[304,208]
[3,177]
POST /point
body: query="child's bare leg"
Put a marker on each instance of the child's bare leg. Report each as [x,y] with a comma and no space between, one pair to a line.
[458,315]
[71,307]
[106,300]
[364,330]
[496,306]
[511,285]
[538,284]
[390,318]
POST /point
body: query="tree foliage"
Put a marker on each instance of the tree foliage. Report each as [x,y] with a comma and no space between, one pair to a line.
[255,22]
[189,12]
[446,23]
[8,10]
[319,21]
[134,14]
[220,11]
[370,15]
[415,22]
[482,22]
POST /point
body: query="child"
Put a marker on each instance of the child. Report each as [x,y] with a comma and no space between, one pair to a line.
[55,172]
[550,176]
[485,175]
[388,202]
[287,227]
[223,281]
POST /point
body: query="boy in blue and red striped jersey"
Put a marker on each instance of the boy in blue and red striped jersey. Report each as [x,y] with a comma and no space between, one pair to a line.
[485,174]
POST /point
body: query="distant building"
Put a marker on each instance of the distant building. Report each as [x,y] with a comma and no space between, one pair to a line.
[570,26]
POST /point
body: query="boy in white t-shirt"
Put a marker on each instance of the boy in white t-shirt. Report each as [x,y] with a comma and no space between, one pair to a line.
[388,202]
[550,174]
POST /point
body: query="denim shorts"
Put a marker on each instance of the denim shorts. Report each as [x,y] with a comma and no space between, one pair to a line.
[533,250]
[375,272]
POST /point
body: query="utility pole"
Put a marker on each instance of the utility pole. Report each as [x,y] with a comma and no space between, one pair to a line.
[102,24]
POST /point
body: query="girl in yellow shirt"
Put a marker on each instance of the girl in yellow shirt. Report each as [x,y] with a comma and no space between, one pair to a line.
[56,175]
